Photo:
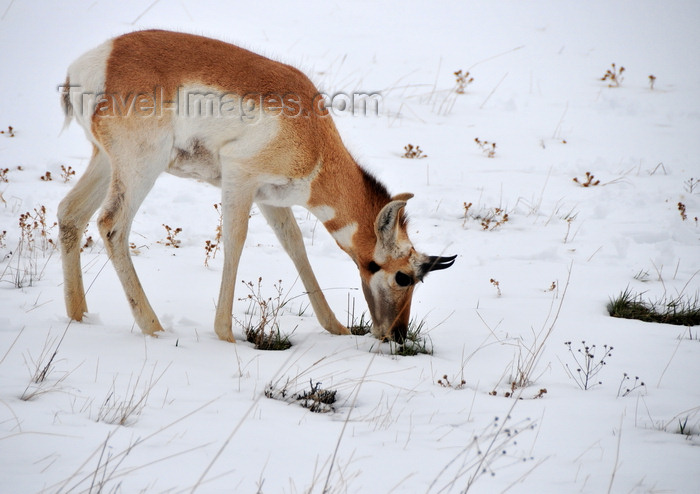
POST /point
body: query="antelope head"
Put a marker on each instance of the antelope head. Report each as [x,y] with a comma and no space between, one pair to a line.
[388,279]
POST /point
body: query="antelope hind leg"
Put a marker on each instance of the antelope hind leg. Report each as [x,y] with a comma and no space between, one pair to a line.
[74,212]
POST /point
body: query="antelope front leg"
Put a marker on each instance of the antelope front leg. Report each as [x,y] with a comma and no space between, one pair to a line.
[236,206]
[287,230]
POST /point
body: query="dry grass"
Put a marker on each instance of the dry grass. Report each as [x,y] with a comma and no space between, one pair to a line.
[614,76]
[124,408]
[413,152]
[171,239]
[488,218]
[463,80]
[34,246]
[488,148]
[42,370]
[211,247]
[588,181]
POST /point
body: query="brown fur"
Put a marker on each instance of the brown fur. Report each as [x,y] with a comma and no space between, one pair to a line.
[174,59]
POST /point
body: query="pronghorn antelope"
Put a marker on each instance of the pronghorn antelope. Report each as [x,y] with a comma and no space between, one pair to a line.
[155,101]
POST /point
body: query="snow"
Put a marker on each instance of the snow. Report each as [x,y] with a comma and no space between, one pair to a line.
[207,425]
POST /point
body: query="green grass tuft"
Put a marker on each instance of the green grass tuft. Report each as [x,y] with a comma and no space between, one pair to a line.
[681,311]
[416,342]
[362,326]
[271,340]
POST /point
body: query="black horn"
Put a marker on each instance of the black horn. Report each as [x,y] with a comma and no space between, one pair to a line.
[436,263]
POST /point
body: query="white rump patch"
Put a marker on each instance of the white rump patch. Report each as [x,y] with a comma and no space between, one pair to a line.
[87,76]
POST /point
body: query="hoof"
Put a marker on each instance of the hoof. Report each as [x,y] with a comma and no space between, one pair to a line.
[153,332]
[77,315]
[339,329]
[225,334]
[228,338]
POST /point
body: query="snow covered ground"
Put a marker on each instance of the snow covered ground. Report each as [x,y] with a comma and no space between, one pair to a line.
[201,420]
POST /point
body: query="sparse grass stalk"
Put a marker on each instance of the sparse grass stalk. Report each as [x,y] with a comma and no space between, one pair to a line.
[243,418]
[123,410]
[40,370]
[44,367]
[627,386]
[357,326]
[331,467]
[480,456]
[35,242]
[211,247]
[77,481]
[529,356]
[488,218]
[587,364]
[685,423]
[171,239]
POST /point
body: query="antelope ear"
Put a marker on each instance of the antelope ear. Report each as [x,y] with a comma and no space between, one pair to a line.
[387,222]
[404,196]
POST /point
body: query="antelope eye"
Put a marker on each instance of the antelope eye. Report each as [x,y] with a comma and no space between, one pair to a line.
[373,267]
[402,279]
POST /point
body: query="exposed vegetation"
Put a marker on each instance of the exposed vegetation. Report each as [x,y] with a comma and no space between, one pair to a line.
[316,399]
[589,181]
[488,148]
[463,80]
[67,173]
[488,218]
[416,342]
[614,76]
[261,326]
[413,152]
[627,385]
[446,383]
[211,247]
[170,237]
[588,366]
[652,81]
[681,311]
